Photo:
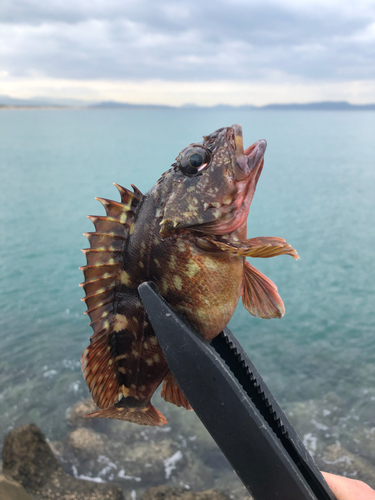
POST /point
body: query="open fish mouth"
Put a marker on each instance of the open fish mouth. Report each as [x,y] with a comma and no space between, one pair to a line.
[249,165]
[248,160]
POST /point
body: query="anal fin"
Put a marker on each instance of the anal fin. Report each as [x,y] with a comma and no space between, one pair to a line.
[148,415]
[260,296]
[172,393]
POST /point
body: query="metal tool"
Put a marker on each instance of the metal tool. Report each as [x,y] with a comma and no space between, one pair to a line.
[237,408]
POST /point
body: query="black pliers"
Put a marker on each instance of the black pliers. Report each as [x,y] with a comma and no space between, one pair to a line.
[237,408]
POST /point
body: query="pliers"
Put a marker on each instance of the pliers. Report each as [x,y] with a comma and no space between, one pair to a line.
[231,399]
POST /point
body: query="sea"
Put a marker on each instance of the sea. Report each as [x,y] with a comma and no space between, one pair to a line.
[317,191]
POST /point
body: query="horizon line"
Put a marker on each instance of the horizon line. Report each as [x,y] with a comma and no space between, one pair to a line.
[46,103]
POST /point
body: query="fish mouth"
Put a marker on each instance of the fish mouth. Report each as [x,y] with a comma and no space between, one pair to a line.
[246,171]
[249,161]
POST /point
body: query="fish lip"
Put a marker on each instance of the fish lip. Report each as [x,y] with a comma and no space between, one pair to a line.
[255,153]
[247,160]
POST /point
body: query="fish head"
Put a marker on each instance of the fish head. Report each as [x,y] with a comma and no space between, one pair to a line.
[212,184]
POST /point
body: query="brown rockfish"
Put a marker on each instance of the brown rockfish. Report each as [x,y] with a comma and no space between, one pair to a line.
[187,235]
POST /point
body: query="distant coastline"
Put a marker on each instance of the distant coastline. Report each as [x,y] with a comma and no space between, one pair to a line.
[30,104]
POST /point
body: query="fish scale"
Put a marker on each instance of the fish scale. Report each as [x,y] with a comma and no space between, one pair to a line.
[187,235]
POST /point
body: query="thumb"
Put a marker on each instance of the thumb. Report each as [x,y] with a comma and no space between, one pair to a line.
[348,489]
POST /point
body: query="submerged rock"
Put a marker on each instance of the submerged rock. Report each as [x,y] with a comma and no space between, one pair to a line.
[338,460]
[75,416]
[170,493]
[139,457]
[11,490]
[86,442]
[230,484]
[28,459]
[154,463]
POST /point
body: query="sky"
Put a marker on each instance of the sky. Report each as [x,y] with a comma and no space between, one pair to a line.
[189,52]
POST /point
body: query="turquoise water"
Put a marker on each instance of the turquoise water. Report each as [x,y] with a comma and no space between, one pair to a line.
[316,190]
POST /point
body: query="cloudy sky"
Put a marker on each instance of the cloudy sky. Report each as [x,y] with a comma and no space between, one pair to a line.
[192,51]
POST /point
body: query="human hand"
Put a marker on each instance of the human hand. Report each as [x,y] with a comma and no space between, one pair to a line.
[348,489]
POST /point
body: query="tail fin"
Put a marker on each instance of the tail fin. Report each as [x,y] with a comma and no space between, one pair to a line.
[148,415]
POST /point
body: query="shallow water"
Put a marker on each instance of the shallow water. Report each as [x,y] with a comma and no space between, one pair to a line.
[316,190]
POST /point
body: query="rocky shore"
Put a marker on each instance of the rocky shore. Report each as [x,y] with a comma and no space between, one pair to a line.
[111,460]
[104,459]
[32,471]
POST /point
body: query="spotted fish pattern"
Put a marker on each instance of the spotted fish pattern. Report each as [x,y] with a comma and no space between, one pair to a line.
[188,235]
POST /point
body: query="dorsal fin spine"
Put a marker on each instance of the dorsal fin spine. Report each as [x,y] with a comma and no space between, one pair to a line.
[99,292]
[104,218]
[105,314]
[136,190]
[99,334]
[100,250]
[101,304]
[129,198]
[93,266]
[105,276]
[105,235]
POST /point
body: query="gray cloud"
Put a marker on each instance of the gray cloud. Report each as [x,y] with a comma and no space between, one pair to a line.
[190,41]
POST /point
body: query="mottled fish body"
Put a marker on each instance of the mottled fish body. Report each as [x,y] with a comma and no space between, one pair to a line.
[188,235]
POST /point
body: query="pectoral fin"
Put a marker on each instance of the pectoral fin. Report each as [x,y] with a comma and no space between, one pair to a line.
[263,247]
[260,296]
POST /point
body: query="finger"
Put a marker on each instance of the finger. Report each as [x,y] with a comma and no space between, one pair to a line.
[348,489]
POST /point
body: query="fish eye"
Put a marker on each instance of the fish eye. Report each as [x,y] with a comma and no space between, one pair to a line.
[193,160]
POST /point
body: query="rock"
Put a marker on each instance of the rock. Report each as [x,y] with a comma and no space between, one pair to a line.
[137,457]
[86,442]
[170,493]
[230,484]
[338,460]
[28,459]
[58,449]
[153,462]
[76,415]
[127,431]
[195,474]
[11,490]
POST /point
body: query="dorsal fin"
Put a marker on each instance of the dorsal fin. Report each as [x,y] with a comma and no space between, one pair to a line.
[127,197]
[104,270]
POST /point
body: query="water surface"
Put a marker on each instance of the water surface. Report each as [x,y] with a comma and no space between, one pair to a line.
[316,190]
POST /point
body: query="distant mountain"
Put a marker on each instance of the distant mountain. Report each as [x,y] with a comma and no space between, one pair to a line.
[322,106]
[314,106]
[245,107]
[114,104]
[318,106]
[41,101]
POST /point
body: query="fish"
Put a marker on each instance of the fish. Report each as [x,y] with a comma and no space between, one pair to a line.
[187,234]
